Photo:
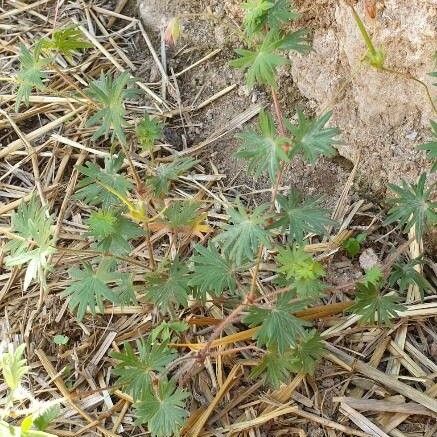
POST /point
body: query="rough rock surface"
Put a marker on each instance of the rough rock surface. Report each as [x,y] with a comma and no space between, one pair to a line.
[383,116]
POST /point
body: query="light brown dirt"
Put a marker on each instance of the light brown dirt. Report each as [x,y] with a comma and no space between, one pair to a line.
[383,116]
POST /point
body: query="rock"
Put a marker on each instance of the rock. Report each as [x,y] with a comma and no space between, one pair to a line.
[376,111]
[368,259]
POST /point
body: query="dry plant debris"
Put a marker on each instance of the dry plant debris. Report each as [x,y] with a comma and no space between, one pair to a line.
[139,297]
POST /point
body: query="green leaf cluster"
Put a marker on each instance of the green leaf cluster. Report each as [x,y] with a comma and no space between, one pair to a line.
[262,61]
[264,150]
[299,217]
[163,409]
[112,231]
[413,206]
[143,374]
[165,174]
[66,42]
[148,131]
[352,245]
[311,138]
[34,243]
[91,189]
[242,236]
[404,275]
[302,358]
[301,272]
[31,73]
[91,285]
[168,286]
[278,327]
[374,306]
[213,273]
[136,372]
[110,92]
[263,23]
[13,366]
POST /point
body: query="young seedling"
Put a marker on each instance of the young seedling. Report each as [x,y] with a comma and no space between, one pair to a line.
[13,367]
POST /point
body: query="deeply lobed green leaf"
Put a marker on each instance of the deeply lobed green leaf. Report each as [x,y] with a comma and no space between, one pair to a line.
[213,272]
[136,372]
[299,217]
[162,408]
[90,287]
[264,150]
[110,93]
[278,327]
[90,188]
[167,173]
[168,287]
[112,231]
[373,306]
[242,236]
[311,138]
[413,206]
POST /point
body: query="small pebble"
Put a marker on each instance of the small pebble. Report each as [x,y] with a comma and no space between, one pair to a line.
[369,259]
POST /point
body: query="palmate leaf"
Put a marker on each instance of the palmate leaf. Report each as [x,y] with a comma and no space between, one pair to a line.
[352,245]
[90,189]
[262,63]
[213,273]
[413,206]
[110,92]
[148,131]
[301,272]
[89,288]
[275,368]
[255,15]
[299,216]
[182,214]
[311,138]
[264,149]
[278,328]
[373,306]
[32,223]
[112,231]
[168,287]
[306,353]
[404,274]
[162,408]
[431,146]
[281,12]
[165,330]
[302,358]
[66,42]
[297,41]
[168,173]
[260,14]
[31,74]
[373,276]
[136,372]
[242,237]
